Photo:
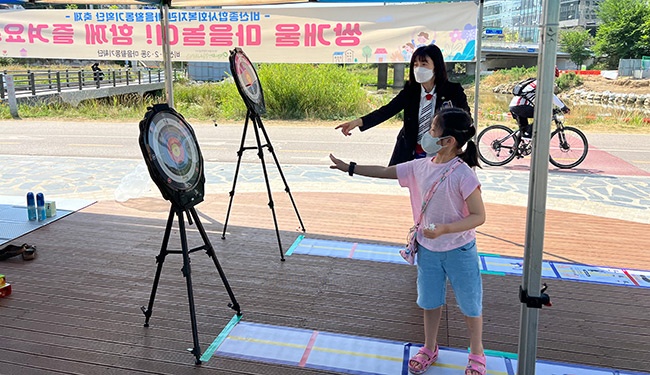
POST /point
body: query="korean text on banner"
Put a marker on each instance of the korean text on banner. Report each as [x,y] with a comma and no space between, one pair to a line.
[370,34]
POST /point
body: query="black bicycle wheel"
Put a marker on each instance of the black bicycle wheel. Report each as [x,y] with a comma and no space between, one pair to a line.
[568,147]
[496,145]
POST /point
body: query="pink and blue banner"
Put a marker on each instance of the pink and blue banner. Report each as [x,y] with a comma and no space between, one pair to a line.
[343,34]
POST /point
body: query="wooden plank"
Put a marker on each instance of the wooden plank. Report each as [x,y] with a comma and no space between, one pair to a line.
[81,297]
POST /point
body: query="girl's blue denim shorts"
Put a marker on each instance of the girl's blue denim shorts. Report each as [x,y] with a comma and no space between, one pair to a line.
[461,267]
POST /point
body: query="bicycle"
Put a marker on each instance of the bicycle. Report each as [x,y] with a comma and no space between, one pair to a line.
[498,144]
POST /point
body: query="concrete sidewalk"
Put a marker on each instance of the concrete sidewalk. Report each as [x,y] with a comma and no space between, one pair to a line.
[619,197]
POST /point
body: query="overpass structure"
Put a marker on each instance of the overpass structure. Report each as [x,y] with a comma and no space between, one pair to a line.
[495,58]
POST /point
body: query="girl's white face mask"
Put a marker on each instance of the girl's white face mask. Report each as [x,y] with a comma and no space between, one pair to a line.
[422,74]
[430,144]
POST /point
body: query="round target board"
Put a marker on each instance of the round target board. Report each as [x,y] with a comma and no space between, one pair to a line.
[248,83]
[172,155]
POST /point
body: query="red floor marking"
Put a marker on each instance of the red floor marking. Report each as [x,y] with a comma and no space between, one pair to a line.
[354,247]
[631,278]
[310,345]
[596,162]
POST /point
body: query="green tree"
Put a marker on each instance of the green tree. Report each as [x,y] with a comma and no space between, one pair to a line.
[576,43]
[510,35]
[366,52]
[624,31]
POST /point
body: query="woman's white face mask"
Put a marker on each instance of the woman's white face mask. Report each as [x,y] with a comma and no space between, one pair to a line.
[422,74]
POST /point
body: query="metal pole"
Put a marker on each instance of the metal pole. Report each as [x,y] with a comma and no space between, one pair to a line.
[11,96]
[32,82]
[477,53]
[164,22]
[536,212]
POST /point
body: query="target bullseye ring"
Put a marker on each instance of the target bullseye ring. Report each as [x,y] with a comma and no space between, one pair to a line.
[247,81]
[172,155]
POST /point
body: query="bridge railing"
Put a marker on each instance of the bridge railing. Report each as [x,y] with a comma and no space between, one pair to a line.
[34,82]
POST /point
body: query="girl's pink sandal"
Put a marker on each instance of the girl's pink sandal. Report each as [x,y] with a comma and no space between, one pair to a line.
[419,358]
[476,365]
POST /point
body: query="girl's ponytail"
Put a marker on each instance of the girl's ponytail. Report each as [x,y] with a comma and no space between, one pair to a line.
[470,155]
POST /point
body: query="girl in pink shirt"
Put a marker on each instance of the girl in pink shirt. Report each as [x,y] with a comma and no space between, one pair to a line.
[446,236]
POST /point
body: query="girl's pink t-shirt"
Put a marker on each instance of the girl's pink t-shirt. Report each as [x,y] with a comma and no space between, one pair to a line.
[447,205]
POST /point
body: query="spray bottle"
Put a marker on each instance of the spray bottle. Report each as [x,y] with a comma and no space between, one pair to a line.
[40,207]
[31,207]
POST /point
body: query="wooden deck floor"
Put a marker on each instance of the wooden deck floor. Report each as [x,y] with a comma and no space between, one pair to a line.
[76,308]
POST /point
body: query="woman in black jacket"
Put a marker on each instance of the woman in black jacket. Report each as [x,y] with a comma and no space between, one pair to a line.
[427,90]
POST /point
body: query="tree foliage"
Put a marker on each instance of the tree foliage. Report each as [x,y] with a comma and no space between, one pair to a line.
[510,35]
[624,32]
[576,43]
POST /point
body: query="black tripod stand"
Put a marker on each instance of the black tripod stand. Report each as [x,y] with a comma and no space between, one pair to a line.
[160,259]
[257,126]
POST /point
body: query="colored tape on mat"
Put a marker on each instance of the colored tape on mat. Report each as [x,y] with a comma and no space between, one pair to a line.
[294,245]
[490,263]
[361,355]
[222,336]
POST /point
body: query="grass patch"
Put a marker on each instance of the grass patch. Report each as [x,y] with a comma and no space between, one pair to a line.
[321,92]
[291,92]
[508,75]
[568,81]
[586,118]
[305,91]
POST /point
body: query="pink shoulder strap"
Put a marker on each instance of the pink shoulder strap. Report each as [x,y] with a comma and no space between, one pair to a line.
[427,198]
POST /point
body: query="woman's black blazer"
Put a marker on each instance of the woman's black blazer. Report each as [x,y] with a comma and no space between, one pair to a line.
[408,100]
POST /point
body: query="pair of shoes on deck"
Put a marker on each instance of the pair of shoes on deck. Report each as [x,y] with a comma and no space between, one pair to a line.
[27,251]
[422,360]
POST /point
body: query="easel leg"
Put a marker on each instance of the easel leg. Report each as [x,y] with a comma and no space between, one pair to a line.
[257,123]
[210,250]
[160,259]
[186,270]
[187,273]
[277,163]
[234,182]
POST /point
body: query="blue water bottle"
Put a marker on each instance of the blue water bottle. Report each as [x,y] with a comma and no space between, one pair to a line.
[40,207]
[31,207]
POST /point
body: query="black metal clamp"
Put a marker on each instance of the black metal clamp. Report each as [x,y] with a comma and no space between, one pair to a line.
[535,302]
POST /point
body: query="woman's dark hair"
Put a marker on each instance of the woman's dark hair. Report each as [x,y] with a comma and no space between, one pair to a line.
[433,52]
[457,123]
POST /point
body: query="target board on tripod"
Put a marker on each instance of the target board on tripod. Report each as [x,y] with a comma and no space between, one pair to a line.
[248,83]
[172,156]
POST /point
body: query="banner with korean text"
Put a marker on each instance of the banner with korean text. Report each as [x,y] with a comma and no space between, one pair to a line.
[344,34]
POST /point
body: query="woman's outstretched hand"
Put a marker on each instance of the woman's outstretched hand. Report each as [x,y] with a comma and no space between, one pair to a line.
[348,126]
[338,164]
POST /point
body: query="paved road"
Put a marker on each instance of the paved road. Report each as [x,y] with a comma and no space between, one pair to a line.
[293,144]
[96,160]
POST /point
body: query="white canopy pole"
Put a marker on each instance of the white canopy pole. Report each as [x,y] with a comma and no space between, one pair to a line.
[167,59]
[536,212]
[477,70]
